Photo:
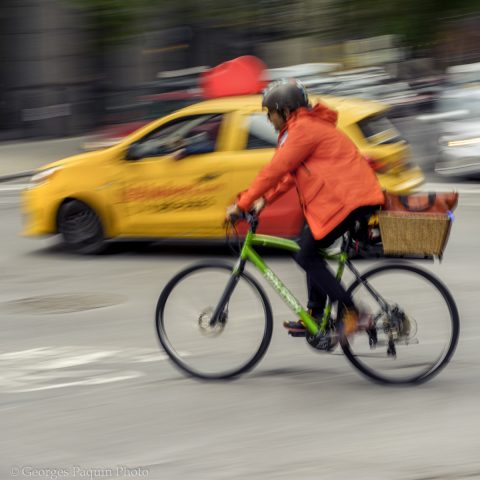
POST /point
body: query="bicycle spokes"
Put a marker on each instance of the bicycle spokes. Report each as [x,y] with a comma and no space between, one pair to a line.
[207,333]
[414,325]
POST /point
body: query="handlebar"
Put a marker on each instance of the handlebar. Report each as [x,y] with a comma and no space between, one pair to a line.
[250,217]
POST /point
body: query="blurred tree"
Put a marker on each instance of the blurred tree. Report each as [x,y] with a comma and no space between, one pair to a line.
[111,21]
[418,23]
[115,19]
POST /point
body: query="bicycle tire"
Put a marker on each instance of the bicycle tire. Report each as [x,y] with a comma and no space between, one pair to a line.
[444,358]
[181,359]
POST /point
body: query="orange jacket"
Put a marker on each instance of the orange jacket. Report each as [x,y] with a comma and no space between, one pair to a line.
[331,176]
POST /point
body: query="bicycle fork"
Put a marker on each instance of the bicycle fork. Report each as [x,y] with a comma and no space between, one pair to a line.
[222,305]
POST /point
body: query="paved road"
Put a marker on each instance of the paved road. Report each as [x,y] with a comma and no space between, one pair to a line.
[87,393]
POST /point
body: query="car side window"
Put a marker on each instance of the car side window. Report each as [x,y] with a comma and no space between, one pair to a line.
[195,133]
[261,133]
[379,130]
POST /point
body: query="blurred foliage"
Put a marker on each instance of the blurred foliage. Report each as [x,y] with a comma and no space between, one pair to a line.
[419,23]
[117,20]
[112,21]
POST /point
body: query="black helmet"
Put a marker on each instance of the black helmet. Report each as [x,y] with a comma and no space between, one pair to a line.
[285,94]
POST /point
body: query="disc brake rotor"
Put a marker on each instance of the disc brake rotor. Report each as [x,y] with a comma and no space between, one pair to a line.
[204,323]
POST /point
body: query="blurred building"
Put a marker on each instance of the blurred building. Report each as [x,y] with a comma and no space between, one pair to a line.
[460,41]
[45,72]
[65,63]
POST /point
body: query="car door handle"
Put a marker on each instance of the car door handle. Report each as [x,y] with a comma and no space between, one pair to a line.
[208,177]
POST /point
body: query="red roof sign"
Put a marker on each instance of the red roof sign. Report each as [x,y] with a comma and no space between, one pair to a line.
[240,76]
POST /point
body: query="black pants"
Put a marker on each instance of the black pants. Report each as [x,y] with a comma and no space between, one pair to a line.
[320,279]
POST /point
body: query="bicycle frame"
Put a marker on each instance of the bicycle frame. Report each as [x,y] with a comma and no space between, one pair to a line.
[387,326]
[248,253]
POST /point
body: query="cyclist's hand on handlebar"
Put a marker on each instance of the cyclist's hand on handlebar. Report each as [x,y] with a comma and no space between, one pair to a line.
[258,205]
[233,213]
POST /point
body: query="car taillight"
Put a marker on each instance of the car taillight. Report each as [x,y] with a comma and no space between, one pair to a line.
[377,165]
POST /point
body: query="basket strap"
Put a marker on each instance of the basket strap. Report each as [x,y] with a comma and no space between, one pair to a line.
[431,200]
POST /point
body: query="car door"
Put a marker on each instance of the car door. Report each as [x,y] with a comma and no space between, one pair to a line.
[256,148]
[168,196]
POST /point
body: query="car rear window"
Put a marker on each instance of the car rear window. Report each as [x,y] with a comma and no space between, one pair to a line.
[261,133]
[379,130]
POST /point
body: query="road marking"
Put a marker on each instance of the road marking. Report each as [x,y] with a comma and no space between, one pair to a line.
[14,188]
[46,368]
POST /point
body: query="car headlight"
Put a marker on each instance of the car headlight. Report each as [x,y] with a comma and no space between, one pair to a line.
[463,143]
[43,176]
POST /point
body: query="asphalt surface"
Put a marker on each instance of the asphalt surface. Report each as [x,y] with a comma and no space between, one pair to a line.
[20,157]
[86,392]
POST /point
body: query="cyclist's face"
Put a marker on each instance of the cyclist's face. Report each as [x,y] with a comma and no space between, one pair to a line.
[276,119]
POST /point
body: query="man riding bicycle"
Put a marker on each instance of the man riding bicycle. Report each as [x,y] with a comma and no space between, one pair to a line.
[335,185]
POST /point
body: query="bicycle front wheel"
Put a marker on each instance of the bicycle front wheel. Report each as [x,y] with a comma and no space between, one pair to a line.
[230,347]
[411,339]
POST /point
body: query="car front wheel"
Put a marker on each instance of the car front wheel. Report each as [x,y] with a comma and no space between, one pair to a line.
[80,228]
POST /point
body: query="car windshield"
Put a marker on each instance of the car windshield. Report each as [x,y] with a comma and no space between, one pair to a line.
[179,133]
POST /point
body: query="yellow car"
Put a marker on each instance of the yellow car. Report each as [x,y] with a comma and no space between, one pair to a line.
[175,176]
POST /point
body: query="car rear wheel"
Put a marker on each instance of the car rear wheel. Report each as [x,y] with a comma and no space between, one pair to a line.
[80,228]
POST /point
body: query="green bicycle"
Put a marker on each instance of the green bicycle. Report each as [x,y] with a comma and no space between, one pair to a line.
[214,320]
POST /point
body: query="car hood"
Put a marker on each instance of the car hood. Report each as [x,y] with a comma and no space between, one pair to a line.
[74,160]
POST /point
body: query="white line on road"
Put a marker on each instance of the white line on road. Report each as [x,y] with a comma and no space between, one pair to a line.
[46,368]
[13,188]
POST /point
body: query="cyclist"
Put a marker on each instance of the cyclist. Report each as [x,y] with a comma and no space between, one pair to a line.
[335,185]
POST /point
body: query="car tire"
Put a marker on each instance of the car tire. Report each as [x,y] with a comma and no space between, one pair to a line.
[80,228]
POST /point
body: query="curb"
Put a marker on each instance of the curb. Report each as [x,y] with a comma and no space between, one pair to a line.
[15,176]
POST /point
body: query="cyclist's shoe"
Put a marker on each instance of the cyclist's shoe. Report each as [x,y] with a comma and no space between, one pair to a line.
[295,329]
[350,321]
[354,321]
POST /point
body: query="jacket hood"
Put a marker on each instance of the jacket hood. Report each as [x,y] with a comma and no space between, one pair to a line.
[319,111]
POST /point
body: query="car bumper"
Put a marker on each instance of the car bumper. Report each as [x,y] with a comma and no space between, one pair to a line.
[402,182]
[38,213]
[458,163]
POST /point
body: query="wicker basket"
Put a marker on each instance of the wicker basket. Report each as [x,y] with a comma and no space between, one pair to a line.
[406,233]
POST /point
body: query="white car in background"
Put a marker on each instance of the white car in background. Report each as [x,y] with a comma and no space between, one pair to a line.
[458,119]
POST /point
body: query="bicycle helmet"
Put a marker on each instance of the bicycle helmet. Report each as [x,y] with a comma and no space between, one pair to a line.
[285,94]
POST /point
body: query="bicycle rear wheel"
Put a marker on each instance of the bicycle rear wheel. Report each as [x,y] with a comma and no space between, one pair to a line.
[231,347]
[417,335]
